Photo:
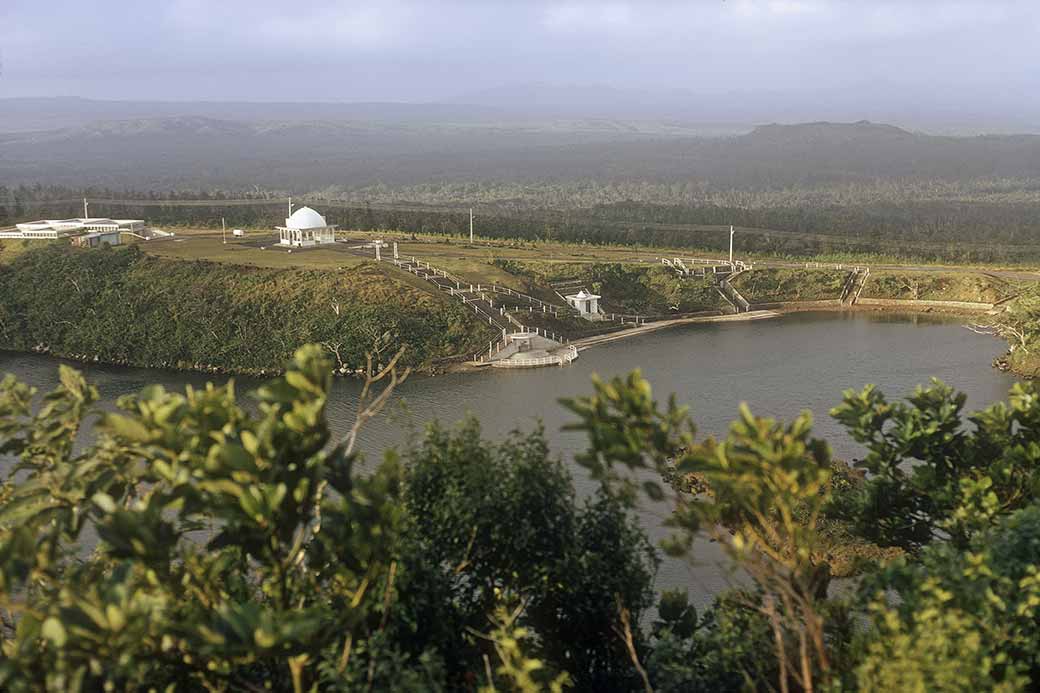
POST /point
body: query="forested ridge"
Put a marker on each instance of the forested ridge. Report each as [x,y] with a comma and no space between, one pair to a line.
[123,306]
[808,189]
[202,152]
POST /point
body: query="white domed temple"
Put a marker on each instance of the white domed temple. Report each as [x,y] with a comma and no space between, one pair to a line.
[305,227]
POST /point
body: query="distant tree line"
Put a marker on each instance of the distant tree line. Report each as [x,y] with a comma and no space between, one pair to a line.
[952,230]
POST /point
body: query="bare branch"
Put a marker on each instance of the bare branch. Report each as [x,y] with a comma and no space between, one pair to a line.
[369,406]
[625,633]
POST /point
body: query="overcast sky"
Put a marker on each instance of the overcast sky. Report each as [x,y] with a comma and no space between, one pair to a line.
[974,55]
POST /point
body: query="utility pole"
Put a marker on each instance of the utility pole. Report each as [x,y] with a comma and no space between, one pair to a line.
[290,206]
[731,245]
[223,231]
[85,215]
[471,225]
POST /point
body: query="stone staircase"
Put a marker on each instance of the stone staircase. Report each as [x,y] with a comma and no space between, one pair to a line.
[500,306]
[854,285]
[732,296]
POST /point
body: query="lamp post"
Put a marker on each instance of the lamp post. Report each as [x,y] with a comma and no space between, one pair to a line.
[731,245]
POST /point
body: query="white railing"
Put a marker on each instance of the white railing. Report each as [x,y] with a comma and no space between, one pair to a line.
[424,270]
[430,273]
[495,348]
[850,282]
[862,283]
[835,266]
[730,293]
[679,265]
[561,359]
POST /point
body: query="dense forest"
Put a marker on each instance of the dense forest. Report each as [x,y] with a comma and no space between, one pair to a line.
[242,548]
[304,156]
[810,189]
[952,229]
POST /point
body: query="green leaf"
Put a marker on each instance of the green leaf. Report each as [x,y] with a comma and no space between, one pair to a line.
[54,631]
[105,502]
[127,428]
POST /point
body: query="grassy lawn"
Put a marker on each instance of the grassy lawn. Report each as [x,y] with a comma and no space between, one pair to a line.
[471,262]
[247,251]
[10,248]
[549,250]
[637,284]
[476,259]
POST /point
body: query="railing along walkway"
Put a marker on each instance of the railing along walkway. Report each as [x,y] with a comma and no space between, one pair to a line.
[492,303]
[562,359]
[731,294]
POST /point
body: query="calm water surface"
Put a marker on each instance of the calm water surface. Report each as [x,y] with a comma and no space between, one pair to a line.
[779,367]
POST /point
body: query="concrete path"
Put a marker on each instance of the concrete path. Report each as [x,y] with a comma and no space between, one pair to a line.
[587,342]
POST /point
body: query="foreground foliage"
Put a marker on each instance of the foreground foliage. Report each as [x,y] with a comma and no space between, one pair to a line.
[241,548]
[942,486]
[227,542]
[238,549]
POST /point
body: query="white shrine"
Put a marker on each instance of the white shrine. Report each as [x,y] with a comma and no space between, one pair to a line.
[586,304]
[304,228]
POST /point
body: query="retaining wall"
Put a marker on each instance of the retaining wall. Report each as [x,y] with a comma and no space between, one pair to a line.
[809,305]
[912,303]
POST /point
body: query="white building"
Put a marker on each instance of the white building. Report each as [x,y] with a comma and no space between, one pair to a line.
[587,304]
[64,228]
[304,228]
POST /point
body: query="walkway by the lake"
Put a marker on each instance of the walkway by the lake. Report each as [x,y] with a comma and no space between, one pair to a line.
[587,342]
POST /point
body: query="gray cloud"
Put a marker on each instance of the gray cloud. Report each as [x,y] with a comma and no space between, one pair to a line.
[962,54]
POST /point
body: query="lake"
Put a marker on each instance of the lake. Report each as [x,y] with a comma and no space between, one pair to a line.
[779,367]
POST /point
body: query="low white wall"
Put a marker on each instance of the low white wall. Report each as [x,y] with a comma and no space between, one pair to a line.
[914,303]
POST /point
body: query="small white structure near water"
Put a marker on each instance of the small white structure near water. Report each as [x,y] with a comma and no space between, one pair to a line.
[304,228]
[585,303]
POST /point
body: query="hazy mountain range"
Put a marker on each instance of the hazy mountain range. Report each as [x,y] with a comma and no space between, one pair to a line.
[308,146]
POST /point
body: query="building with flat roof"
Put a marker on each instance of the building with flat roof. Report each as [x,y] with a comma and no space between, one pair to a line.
[304,228]
[63,228]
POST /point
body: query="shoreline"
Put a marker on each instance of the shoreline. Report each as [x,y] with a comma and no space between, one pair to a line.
[647,328]
[780,309]
[775,310]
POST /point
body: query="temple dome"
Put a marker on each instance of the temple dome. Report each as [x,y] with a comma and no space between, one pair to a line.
[305,218]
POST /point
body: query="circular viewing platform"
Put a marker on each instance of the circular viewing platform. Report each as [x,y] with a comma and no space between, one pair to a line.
[529,350]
